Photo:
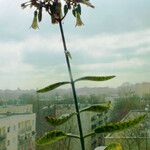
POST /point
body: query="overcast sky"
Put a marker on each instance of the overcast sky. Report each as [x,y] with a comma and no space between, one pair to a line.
[115,40]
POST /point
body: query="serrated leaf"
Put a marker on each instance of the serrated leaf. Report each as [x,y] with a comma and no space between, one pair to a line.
[119,126]
[52,87]
[114,146]
[51,137]
[95,78]
[65,9]
[59,121]
[97,108]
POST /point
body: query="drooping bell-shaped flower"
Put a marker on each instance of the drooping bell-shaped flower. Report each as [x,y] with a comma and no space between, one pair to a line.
[35,21]
[78,20]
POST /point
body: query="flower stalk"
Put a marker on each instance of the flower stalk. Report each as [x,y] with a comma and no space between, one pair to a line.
[73,87]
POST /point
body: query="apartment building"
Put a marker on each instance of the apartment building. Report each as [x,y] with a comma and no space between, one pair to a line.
[17,130]
[135,138]
[16,109]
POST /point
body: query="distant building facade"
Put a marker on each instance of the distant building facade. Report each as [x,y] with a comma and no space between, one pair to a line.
[16,109]
[136,138]
[17,130]
[142,88]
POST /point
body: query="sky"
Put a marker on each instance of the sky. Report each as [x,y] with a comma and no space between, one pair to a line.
[115,40]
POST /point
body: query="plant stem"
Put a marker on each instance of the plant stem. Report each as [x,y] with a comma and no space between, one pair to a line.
[73,87]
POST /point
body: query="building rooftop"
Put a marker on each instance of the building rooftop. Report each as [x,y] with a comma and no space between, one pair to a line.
[5,115]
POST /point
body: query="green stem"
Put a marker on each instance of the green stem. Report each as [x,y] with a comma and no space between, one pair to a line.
[73,87]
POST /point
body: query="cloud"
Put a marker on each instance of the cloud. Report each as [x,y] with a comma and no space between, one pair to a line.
[38,60]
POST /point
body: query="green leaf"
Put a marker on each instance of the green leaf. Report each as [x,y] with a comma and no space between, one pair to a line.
[51,137]
[58,121]
[114,146]
[52,87]
[97,108]
[65,9]
[119,126]
[95,78]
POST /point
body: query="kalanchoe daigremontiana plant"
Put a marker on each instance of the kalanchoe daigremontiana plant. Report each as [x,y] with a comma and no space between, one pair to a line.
[58,10]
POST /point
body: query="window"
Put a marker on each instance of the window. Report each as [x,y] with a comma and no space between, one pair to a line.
[8,129]
[32,122]
[14,127]
[93,126]
[8,142]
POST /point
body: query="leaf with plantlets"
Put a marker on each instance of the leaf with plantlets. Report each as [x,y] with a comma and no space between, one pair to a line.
[119,126]
[51,137]
[97,108]
[114,146]
[59,121]
[95,78]
[52,87]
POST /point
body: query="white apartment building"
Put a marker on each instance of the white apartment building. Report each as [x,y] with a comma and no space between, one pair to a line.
[16,109]
[17,130]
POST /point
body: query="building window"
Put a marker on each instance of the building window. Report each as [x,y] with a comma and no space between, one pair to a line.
[93,126]
[8,129]
[93,118]
[14,140]
[8,142]
[14,127]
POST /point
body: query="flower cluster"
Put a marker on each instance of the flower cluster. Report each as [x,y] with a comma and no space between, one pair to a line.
[54,9]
